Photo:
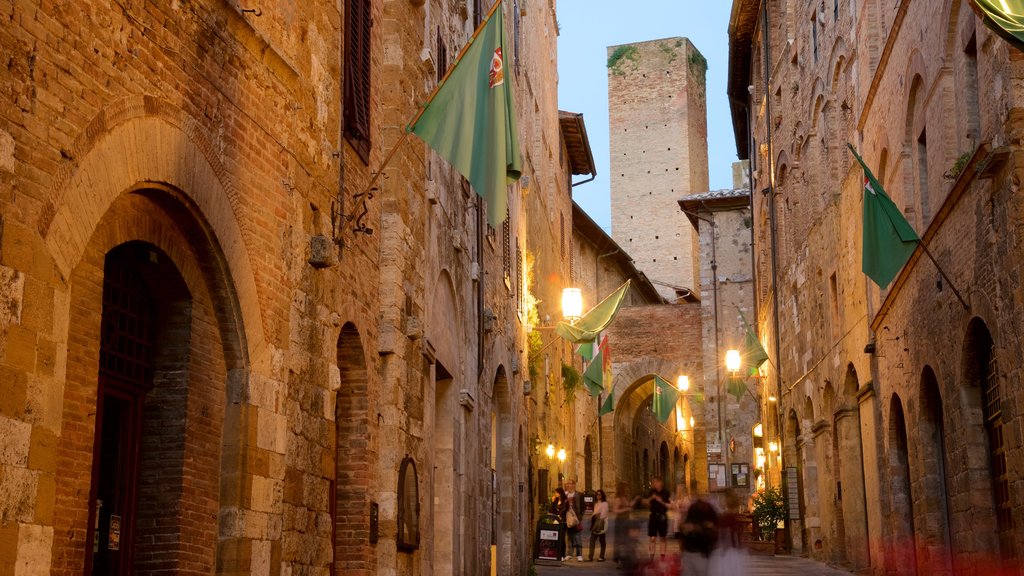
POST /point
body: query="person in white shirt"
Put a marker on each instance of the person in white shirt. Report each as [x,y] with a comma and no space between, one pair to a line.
[599,524]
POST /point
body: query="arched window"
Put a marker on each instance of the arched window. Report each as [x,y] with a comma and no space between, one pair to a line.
[408,506]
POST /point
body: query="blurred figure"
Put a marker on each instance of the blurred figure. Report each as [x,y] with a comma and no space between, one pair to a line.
[657,502]
[621,506]
[728,557]
[700,531]
[599,524]
[677,513]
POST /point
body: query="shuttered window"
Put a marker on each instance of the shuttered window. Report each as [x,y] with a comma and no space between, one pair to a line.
[358,21]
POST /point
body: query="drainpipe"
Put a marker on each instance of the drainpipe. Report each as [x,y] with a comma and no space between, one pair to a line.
[775,268]
[718,344]
[600,397]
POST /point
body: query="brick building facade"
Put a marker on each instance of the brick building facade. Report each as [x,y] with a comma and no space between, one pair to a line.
[659,153]
[900,409]
[219,355]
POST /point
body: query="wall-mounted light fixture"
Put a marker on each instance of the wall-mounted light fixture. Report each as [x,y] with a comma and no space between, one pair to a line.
[683,383]
[732,361]
[572,304]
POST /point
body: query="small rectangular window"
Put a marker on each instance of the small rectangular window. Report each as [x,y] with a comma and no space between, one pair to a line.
[506,248]
[814,36]
[922,175]
[833,291]
[358,22]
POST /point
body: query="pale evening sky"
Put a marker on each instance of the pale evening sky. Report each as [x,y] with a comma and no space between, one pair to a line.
[589,26]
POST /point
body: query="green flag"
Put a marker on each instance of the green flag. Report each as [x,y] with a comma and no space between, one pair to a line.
[889,239]
[598,373]
[737,387]
[471,122]
[665,398]
[609,404]
[586,351]
[753,353]
[1004,17]
[597,319]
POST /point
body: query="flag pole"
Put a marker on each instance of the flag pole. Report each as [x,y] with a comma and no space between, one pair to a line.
[422,109]
[924,248]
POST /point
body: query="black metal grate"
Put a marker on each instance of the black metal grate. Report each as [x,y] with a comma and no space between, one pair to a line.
[991,401]
[126,331]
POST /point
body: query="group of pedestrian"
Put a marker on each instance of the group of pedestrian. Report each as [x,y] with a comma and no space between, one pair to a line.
[568,505]
[708,544]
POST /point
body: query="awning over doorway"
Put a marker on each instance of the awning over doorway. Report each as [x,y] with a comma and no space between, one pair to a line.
[1004,17]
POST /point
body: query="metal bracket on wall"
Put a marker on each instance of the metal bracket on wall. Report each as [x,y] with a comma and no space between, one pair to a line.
[339,218]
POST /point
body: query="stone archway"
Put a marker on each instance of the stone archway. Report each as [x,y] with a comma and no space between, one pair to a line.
[986,506]
[902,543]
[502,478]
[447,488]
[851,512]
[935,553]
[350,498]
[635,432]
[153,248]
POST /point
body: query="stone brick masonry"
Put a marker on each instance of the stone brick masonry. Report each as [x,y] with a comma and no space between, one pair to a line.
[198,144]
[900,407]
[658,126]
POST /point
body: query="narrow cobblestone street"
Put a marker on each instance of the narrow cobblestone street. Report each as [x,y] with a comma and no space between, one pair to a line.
[757,565]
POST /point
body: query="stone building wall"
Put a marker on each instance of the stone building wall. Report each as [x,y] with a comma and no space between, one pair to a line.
[658,126]
[197,147]
[883,390]
[722,220]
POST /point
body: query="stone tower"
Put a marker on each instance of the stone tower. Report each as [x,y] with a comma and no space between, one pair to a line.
[659,154]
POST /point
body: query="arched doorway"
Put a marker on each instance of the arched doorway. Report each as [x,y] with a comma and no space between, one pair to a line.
[502,478]
[153,344]
[937,554]
[851,512]
[445,484]
[988,477]
[791,454]
[451,530]
[140,409]
[902,545]
[350,498]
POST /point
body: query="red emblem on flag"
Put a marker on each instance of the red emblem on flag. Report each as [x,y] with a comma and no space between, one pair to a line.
[497,74]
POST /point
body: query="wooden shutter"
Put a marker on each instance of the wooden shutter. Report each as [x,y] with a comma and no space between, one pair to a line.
[358,21]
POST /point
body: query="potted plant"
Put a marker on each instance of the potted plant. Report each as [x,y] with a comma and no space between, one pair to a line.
[769,511]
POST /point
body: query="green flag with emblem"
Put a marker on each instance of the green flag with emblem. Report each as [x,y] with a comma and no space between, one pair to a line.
[889,240]
[665,398]
[471,122]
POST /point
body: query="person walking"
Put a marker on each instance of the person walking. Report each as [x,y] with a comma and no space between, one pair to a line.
[658,501]
[677,514]
[599,524]
[700,532]
[621,506]
[557,501]
[572,511]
